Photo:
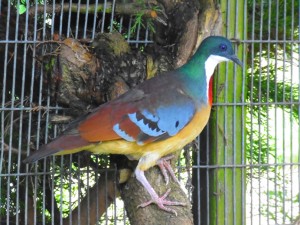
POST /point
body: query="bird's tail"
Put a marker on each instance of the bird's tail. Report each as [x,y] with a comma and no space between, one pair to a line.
[65,144]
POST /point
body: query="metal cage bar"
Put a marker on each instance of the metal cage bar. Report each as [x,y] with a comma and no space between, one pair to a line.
[269,103]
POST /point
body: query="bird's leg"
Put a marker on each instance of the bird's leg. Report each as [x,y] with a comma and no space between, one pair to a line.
[165,167]
[155,199]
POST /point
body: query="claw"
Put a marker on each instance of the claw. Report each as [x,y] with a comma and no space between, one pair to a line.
[161,202]
[155,199]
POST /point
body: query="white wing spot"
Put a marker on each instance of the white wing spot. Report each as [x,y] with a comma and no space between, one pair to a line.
[122,133]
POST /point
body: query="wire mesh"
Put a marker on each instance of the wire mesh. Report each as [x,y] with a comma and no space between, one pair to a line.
[267,174]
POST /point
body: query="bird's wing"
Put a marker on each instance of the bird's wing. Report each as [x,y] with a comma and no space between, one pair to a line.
[154,111]
[139,117]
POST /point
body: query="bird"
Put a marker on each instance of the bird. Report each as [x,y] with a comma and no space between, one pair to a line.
[151,121]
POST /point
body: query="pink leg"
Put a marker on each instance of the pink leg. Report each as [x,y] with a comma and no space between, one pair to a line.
[159,201]
[165,167]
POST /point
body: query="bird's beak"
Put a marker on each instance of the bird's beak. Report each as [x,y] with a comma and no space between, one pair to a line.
[235,59]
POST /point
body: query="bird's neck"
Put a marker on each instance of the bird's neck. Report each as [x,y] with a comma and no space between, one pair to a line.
[198,76]
[210,65]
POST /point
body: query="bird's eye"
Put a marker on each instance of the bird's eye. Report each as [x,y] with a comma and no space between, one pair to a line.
[223,47]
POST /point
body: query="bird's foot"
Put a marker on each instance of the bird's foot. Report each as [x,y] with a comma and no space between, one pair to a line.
[165,167]
[161,202]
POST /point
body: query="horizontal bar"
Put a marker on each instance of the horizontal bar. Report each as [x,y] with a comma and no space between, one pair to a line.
[244,165]
[50,173]
[214,104]
[37,108]
[139,41]
[267,41]
[254,103]
[51,41]
[181,167]
[149,41]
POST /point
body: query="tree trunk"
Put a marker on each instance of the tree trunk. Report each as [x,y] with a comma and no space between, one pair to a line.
[201,22]
[227,131]
[133,194]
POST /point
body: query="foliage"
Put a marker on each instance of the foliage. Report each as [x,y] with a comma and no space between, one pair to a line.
[273,20]
[140,17]
[22,6]
[271,87]
[268,89]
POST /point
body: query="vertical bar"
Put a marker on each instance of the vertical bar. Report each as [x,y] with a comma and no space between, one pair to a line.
[138,35]
[106,200]
[244,91]
[69,18]
[20,118]
[298,201]
[112,15]
[103,15]
[37,133]
[77,19]
[129,29]
[97,185]
[70,191]
[115,196]
[268,88]
[234,204]
[121,24]
[86,18]
[251,111]
[29,119]
[207,174]
[4,80]
[12,116]
[146,35]
[46,133]
[40,96]
[292,52]
[260,117]
[95,22]
[225,114]
[53,18]
[197,174]
[283,117]
[276,130]
[47,117]
[61,18]
[3,98]
[88,193]
[79,190]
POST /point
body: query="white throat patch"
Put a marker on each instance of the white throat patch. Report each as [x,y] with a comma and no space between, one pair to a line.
[210,65]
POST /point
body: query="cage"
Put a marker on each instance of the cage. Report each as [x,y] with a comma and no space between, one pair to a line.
[60,59]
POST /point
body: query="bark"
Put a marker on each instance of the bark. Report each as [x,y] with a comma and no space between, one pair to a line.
[121,8]
[133,194]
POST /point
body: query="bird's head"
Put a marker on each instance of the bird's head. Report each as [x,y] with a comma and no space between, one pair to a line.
[219,48]
[213,50]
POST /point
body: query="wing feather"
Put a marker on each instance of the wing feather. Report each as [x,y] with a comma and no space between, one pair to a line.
[147,119]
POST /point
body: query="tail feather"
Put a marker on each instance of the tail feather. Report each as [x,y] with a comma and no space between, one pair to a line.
[59,146]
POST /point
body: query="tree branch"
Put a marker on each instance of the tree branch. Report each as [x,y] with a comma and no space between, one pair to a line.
[120,8]
[133,194]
